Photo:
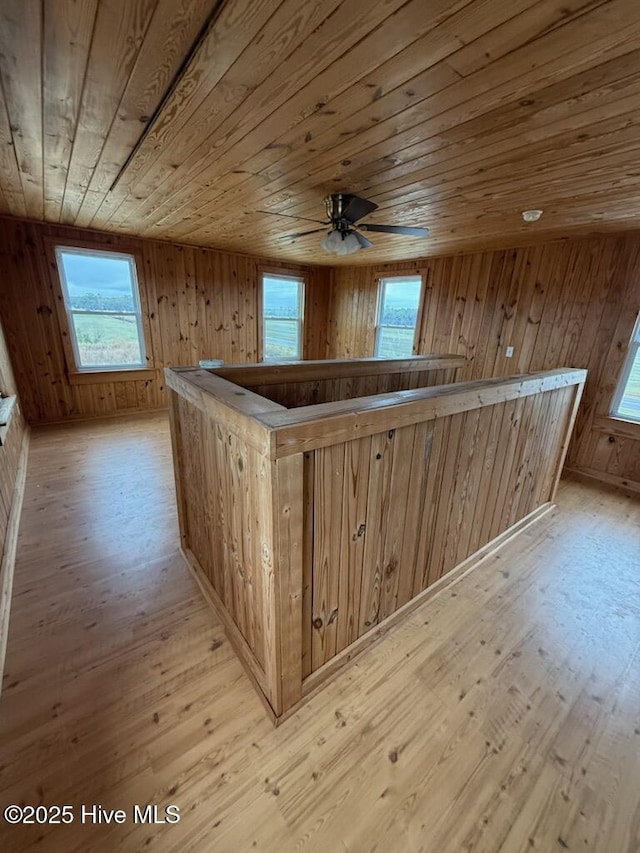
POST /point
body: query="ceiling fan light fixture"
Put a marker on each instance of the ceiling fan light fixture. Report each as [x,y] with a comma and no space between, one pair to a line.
[350,244]
[345,237]
[339,243]
[331,242]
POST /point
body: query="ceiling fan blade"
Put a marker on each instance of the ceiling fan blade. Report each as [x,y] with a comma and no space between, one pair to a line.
[397,229]
[355,208]
[289,216]
[301,234]
[364,243]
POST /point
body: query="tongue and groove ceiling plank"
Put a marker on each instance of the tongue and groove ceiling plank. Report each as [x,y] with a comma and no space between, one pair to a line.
[21,76]
[266,77]
[201,120]
[172,30]
[357,119]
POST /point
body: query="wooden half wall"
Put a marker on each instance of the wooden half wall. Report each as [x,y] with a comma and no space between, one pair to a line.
[569,303]
[198,303]
[314,529]
[11,441]
[13,461]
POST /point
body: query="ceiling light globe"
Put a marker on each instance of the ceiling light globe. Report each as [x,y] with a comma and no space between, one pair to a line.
[350,244]
[332,242]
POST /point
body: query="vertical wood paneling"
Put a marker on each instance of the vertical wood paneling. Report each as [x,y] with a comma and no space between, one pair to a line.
[289,544]
[308,549]
[393,524]
[327,532]
[309,392]
[560,304]
[219,478]
[198,303]
[417,502]
[11,447]
[352,552]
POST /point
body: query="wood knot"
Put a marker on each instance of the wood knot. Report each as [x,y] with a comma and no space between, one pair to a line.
[360,531]
[317,622]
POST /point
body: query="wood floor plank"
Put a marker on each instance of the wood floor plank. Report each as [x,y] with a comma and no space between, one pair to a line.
[502,716]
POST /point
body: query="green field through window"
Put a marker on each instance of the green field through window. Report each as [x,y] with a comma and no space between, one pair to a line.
[101,297]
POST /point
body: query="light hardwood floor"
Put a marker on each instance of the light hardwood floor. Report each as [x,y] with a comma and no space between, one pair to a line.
[503,716]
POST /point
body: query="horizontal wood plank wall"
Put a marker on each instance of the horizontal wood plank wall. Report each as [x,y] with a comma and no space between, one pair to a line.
[570,303]
[415,503]
[11,448]
[294,394]
[200,303]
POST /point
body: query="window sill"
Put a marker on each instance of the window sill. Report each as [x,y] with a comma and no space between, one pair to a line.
[617,426]
[7,408]
[99,377]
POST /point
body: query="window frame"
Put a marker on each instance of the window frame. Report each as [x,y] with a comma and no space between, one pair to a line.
[382,278]
[291,275]
[623,379]
[76,372]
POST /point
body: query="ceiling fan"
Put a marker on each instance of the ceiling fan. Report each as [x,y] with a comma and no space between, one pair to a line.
[344,210]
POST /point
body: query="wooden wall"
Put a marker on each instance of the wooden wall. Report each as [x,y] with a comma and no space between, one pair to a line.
[562,304]
[396,511]
[199,303]
[568,303]
[11,448]
[315,391]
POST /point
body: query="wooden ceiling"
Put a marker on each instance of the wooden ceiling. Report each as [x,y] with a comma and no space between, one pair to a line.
[210,117]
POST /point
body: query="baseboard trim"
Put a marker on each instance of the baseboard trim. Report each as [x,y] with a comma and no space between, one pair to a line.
[7,566]
[603,477]
[101,416]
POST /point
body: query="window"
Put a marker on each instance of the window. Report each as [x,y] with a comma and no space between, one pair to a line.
[626,400]
[282,312]
[398,303]
[102,302]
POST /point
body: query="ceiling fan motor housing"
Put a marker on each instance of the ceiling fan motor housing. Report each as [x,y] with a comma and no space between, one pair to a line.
[335,205]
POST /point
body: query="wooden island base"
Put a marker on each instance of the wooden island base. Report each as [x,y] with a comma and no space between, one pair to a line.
[319,512]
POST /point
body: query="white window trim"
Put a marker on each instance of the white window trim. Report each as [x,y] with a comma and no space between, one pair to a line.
[382,280]
[299,280]
[137,312]
[634,346]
